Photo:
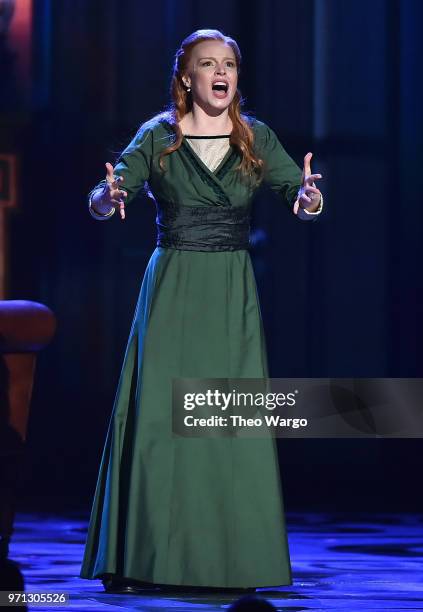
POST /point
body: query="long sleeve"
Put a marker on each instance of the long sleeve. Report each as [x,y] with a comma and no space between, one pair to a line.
[134,165]
[304,214]
[281,172]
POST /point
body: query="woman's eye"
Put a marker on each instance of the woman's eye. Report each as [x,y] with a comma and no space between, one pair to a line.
[229,64]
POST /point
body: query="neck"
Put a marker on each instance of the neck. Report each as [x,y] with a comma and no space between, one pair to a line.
[199,122]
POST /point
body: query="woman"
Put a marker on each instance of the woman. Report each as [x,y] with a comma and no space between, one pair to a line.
[202,512]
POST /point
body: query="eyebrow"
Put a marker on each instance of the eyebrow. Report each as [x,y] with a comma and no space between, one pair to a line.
[213,58]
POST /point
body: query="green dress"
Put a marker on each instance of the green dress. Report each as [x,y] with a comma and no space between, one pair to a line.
[177,510]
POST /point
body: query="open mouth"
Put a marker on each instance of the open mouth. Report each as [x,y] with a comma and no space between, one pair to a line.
[220,87]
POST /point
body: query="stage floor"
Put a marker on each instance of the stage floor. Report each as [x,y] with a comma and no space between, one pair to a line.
[340,562]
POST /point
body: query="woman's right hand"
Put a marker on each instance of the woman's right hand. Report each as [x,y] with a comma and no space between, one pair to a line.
[110,195]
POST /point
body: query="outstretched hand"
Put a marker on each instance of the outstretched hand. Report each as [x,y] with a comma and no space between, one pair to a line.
[112,195]
[309,195]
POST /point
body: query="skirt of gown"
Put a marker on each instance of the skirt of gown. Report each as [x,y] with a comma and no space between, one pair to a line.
[177,510]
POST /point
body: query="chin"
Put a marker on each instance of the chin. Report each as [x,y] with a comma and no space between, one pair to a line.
[220,104]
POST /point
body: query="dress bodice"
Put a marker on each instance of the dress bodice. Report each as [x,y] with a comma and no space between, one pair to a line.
[204,228]
[204,171]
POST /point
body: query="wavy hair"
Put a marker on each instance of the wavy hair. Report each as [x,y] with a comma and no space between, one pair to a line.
[242,136]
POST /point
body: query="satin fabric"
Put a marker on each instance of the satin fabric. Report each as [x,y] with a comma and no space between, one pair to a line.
[203,228]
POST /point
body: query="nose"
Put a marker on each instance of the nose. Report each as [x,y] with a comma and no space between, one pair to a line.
[220,68]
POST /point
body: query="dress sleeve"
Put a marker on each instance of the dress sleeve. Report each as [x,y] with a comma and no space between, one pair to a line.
[281,172]
[134,165]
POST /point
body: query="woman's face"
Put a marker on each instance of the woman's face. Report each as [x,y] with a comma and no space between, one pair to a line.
[212,75]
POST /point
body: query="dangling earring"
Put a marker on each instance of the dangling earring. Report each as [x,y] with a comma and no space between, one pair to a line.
[188,89]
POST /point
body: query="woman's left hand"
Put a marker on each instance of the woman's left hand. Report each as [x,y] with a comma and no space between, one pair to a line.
[309,195]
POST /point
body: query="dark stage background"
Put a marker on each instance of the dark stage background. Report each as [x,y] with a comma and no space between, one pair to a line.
[340,297]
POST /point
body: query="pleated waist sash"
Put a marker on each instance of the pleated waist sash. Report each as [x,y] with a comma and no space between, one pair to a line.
[203,228]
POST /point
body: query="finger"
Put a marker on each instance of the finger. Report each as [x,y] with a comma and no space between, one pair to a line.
[305,199]
[110,173]
[117,193]
[311,178]
[312,190]
[116,202]
[307,165]
[122,210]
[111,179]
[116,182]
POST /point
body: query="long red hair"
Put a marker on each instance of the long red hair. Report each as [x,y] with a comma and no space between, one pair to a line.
[242,136]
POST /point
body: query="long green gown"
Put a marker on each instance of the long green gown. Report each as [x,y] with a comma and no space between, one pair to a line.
[176,510]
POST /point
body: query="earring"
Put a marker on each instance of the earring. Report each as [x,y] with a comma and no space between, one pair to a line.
[188,89]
